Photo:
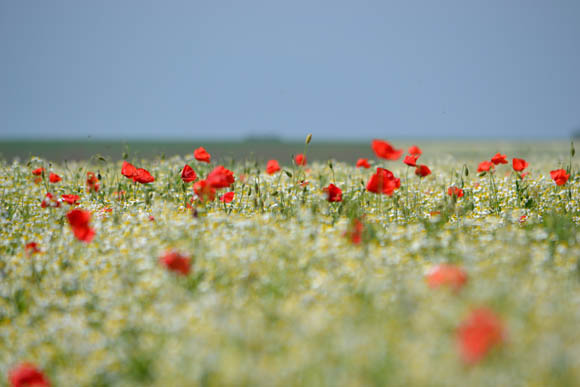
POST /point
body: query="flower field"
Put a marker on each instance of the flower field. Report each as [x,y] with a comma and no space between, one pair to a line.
[402,269]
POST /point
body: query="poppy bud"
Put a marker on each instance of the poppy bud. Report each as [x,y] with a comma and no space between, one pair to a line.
[288,173]
[330,165]
[308,138]
[572,150]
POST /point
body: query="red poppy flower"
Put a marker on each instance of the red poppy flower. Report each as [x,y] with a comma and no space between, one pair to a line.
[478,334]
[38,171]
[201,154]
[411,160]
[363,163]
[50,201]
[355,231]
[227,197]
[204,190]
[70,199]
[220,177]
[143,176]
[446,275]
[79,221]
[499,159]
[27,375]
[32,248]
[151,218]
[128,170]
[272,167]
[523,219]
[303,183]
[176,262]
[485,166]
[519,164]
[334,194]
[188,174]
[455,191]
[54,178]
[92,182]
[384,150]
[559,176]
[422,171]
[383,182]
[415,150]
[300,159]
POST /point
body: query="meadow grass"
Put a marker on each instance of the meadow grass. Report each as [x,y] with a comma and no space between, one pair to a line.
[277,293]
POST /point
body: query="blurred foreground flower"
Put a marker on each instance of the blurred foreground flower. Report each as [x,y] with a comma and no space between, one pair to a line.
[446,275]
[480,332]
[79,222]
[176,262]
[27,375]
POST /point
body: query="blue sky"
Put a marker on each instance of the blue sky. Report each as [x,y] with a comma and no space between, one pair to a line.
[339,69]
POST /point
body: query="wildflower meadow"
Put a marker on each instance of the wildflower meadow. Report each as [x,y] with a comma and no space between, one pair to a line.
[405,268]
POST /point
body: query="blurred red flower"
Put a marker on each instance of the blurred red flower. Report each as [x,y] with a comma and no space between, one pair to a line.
[27,375]
[204,190]
[227,197]
[484,166]
[92,182]
[415,150]
[272,167]
[384,150]
[79,221]
[478,334]
[32,248]
[188,174]
[50,201]
[176,262]
[363,163]
[220,177]
[519,164]
[383,182]
[300,159]
[334,194]
[38,171]
[455,191]
[70,199]
[411,160]
[559,176]
[54,178]
[499,159]
[446,275]
[422,171]
[355,231]
[201,154]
